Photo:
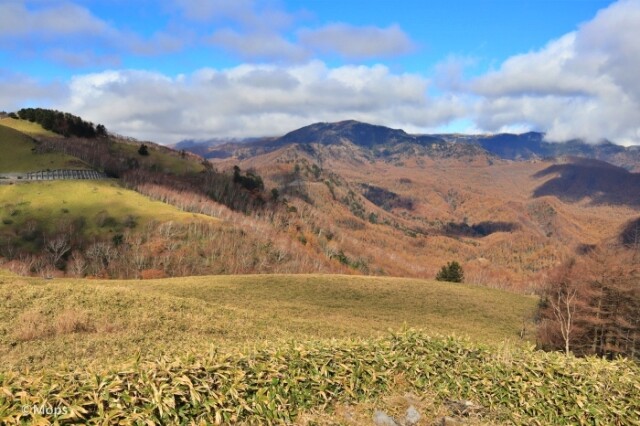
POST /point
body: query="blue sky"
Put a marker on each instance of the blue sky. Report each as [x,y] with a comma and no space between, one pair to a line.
[198,69]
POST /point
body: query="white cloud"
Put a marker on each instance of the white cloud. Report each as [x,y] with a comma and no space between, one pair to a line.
[582,85]
[72,35]
[258,45]
[58,20]
[166,41]
[83,58]
[357,42]
[448,75]
[259,31]
[252,100]
[18,91]
[247,13]
[346,41]
[254,31]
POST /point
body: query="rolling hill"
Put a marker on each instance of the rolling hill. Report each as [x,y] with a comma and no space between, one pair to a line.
[596,181]
[116,318]
[27,127]
[353,197]
[288,349]
[385,202]
[184,219]
[533,145]
[297,343]
[18,153]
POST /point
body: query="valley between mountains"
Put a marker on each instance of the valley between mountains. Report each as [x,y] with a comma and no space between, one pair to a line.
[290,280]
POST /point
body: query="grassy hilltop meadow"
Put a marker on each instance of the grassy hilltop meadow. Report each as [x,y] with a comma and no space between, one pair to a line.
[291,281]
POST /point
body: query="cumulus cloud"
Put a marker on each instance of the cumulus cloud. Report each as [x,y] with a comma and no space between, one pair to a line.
[582,85]
[71,35]
[252,100]
[18,91]
[258,31]
[347,41]
[261,46]
[64,19]
[83,58]
[357,42]
[246,13]
[448,75]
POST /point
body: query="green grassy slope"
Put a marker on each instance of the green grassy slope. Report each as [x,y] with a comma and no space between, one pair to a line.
[17,155]
[16,144]
[115,319]
[342,305]
[160,158]
[50,202]
[27,127]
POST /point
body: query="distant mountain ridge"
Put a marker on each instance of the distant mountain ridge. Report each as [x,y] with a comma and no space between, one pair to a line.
[384,141]
[532,145]
[361,134]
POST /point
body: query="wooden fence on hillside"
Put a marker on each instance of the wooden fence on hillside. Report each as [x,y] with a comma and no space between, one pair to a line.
[64,175]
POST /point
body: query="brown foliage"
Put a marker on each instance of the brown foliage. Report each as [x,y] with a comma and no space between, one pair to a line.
[31,325]
[73,321]
[592,306]
[323,221]
[149,274]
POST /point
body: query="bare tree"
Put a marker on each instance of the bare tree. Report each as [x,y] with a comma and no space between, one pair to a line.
[592,305]
[564,309]
[77,264]
[57,248]
[100,254]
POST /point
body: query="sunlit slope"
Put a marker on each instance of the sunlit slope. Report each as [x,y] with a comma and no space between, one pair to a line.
[17,155]
[27,127]
[263,349]
[87,321]
[160,158]
[104,206]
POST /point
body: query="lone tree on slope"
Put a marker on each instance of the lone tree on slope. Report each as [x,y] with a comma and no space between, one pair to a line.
[451,272]
[143,150]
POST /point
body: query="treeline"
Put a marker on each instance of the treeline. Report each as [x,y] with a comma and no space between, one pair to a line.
[591,305]
[244,195]
[154,250]
[240,191]
[62,123]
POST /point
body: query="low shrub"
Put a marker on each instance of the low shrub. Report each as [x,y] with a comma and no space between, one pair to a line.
[275,385]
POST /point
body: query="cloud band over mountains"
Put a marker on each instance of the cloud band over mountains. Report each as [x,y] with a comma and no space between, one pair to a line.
[581,85]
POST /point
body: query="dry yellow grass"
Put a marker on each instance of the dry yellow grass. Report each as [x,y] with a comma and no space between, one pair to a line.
[27,127]
[258,349]
[78,322]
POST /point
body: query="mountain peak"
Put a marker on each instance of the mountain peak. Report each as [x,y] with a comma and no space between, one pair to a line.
[356,132]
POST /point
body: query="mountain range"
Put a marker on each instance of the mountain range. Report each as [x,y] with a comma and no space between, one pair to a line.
[509,207]
[346,197]
[385,142]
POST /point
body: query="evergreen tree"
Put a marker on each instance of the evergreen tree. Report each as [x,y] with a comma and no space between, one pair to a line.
[62,123]
[101,131]
[143,150]
[451,272]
